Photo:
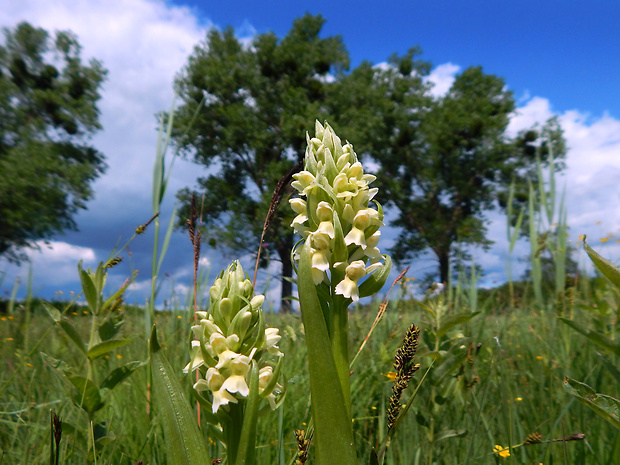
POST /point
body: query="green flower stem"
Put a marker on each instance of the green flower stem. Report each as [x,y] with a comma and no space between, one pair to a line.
[332,422]
[340,346]
[233,432]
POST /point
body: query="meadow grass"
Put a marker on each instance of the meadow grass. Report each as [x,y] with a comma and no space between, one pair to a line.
[489,388]
[500,381]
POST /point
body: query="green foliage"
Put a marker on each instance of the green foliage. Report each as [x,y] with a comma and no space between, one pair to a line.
[443,161]
[604,405]
[185,443]
[258,103]
[46,113]
[331,403]
[106,320]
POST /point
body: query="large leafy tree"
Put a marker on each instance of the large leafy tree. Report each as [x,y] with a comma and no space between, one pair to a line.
[444,162]
[259,101]
[47,111]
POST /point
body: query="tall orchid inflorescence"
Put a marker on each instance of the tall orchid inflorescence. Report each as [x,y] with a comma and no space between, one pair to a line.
[333,210]
[337,262]
[231,343]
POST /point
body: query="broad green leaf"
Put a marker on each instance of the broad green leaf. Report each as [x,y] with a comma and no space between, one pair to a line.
[609,270]
[87,395]
[55,363]
[68,328]
[120,374]
[454,320]
[332,426]
[604,405]
[450,433]
[158,171]
[106,346]
[374,283]
[52,312]
[185,444]
[599,339]
[88,286]
[110,327]
[611,368]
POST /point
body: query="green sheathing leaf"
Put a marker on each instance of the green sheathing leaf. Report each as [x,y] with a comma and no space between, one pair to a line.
[68,328]
[332,425]
[599,339]
[606,406]
[120,374]
[104,347]
[608,269]
[90,291]
[87,395]
[185,444]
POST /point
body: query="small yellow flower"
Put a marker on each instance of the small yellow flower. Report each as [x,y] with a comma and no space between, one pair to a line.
[518,399]
[604,239]
[391,375]
[29,364]
[3,318]
[502,451]
[9,339]
[539,357]
[10,317]
[119,356]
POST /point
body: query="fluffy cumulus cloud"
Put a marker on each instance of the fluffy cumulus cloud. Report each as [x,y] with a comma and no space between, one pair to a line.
[53,263]
[143,44]
[442,77]
[590,178]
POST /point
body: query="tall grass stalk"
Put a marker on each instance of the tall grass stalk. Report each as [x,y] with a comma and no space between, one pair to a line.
[512,236]
[548,227]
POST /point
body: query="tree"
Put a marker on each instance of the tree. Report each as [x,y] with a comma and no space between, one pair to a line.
[47,111]
[444,162]
[259,101]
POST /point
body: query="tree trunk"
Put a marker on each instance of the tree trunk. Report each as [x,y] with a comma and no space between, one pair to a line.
[284,251]
[444,265]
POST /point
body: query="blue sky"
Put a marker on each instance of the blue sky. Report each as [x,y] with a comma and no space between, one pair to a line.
[565,50]
[559,58]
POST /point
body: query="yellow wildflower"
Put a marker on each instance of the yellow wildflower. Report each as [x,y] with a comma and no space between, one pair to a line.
[391,375]
[502,451]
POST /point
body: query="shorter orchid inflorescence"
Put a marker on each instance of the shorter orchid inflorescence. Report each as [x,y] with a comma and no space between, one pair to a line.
[333,210]
[230,339]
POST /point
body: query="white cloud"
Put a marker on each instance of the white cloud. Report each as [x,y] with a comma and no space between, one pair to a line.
[54,263]
[591,180]
[143,44]
[536,110]
[442,78]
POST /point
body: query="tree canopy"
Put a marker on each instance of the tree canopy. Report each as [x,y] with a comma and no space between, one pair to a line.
[443,162]
[259,101]
[47,112]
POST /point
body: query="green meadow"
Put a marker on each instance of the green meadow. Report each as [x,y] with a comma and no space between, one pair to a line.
[496,379]
[526,373]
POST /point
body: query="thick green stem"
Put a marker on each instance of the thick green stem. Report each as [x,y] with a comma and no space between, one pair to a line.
[340,346]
